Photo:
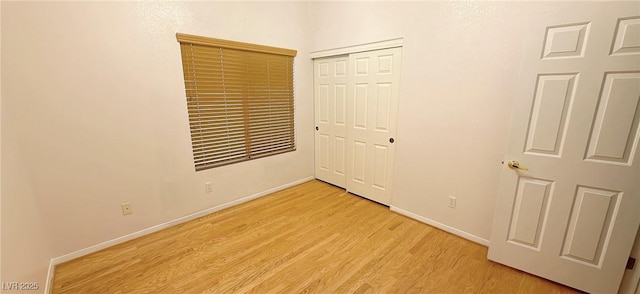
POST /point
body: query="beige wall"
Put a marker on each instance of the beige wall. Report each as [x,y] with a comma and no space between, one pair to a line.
[93,111]
[94,114]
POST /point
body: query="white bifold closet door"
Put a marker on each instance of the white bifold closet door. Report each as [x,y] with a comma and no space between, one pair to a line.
[356,100]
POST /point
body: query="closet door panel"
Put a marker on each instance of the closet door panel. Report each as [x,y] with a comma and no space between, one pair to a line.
[371,122]
[330,92]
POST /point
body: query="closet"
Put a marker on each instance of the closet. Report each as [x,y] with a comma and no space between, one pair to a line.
[356,106]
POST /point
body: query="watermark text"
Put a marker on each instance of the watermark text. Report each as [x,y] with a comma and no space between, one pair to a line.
[20,286]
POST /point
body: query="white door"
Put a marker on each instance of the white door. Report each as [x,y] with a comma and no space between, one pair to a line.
[573,215]
[374,81]
[330,83]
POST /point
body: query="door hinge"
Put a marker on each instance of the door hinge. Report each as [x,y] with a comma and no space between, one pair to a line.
[631,262]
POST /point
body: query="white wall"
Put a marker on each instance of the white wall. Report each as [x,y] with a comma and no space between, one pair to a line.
[458,84]
[25,241]
[0,145]
[93,111]
[94,115]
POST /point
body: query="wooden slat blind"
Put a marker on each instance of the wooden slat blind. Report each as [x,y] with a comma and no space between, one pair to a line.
[239,99]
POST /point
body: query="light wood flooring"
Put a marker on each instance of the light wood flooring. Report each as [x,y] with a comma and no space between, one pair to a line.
[311,238]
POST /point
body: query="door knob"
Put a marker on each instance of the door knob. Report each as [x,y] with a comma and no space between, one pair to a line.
[516,165]
[391,140]
[317,128]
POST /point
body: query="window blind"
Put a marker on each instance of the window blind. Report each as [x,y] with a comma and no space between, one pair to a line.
[239,100]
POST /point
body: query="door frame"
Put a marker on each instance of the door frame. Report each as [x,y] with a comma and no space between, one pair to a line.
[385,44]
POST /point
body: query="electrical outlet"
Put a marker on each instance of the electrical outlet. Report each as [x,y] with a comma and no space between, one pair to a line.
[452,202]
[207,187]
[126,208]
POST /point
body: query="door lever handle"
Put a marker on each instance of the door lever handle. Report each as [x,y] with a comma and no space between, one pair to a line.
[515,165]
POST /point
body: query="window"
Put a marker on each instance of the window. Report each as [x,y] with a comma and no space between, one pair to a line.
[239,98]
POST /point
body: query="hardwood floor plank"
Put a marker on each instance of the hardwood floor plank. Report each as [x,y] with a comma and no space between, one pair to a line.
[311,238]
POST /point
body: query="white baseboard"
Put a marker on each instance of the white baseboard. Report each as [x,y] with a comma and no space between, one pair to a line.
[49,282]
[442,226]
[82,252]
